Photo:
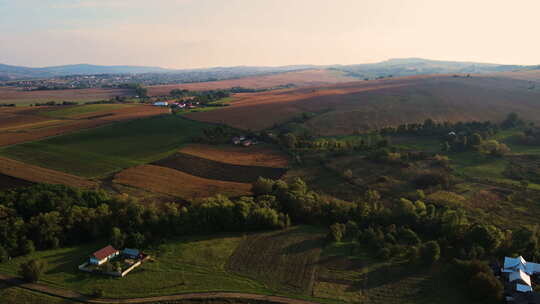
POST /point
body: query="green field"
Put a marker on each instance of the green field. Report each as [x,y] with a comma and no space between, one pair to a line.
[101,151]
[15,295]
[83,109]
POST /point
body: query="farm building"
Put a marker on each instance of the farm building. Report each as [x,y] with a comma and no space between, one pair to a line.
[161,104]
[518,273]
[103,255]
[131,253]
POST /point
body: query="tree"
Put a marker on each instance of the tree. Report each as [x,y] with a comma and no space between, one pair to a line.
[32,270]
[485,286]
[262,186]
[117,238]
[336,233]
[3,254]
[476,139]
[348,174]
[430,252]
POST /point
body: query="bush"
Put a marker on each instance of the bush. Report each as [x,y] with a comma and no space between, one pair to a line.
[432,179]
[262,186]
[336,233]
[485,286]
[430,252]
[32,270]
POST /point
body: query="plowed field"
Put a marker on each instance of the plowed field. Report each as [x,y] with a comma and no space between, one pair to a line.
[248,156]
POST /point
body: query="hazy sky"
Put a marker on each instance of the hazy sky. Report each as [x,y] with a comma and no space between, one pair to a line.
[202,33]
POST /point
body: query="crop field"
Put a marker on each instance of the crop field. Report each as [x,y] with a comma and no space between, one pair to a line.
[300,78]
[194,264]
[263,156]
[28,124]
[359,106]
[80,111]
[101,151]
[19,97]
[283,260]
[23,174]
[177,183]
[210,169]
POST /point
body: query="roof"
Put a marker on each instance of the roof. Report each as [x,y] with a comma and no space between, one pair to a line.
[131,251]
[104,252]
[514,264]
[520,275]
[523,288]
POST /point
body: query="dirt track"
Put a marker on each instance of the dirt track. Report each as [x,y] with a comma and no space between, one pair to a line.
[71,295]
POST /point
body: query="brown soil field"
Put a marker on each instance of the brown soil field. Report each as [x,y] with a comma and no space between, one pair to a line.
[206,168]
[27,124]
[532,75]
[260,155]
[344,108]
[176,183]
[285,260]
[301,78]
[17,96]
[10,182]
[37,174]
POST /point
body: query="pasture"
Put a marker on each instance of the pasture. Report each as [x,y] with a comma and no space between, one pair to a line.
[173,182]
[299,78]
[101,151]
[15,295]
[25,98]
[363,105]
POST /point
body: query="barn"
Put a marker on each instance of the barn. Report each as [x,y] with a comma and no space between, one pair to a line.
[103,255]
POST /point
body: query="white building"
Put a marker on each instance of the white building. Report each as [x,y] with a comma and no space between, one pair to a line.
[519,272]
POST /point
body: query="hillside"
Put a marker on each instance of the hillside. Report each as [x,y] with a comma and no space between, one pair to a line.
[361,105]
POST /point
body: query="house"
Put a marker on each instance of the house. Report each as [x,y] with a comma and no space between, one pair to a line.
[131,253]
[519,272]
[161,104]
[103,255]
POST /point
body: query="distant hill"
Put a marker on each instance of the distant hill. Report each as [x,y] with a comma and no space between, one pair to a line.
[392,67]
[17,72]
[419,66]
[8,72]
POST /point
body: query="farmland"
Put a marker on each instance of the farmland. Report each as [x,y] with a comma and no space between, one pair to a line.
[101,151]
[359,106]
[300,78]
[28,124]
[210,169]
[263,156]
[177,183]
[24,173]
[19,97]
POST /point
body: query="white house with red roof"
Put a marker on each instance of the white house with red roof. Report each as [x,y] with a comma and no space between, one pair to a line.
[103,255]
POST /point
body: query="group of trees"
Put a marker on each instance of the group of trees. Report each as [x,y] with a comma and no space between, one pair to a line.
[202,97]
[54,103]
[48,216]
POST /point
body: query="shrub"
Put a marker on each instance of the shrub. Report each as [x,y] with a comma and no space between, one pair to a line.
[32,270]
[485,286]
[432,179]
[337,231]
[430,252]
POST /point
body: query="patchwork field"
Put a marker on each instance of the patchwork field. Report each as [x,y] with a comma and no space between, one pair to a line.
[210,169]
[100,151]
[300,78]
[22,174]
[177,183]
[19,97]
[348,107]
[28,124]
[259,155]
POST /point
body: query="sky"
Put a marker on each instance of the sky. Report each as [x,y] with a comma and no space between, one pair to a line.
[206,33]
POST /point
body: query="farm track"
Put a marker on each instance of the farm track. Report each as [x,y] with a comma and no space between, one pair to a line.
[74,296]
[210,169]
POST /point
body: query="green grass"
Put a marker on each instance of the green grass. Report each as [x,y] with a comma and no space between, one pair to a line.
[83,109]
[192,264]
[101,151]
[15,295]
